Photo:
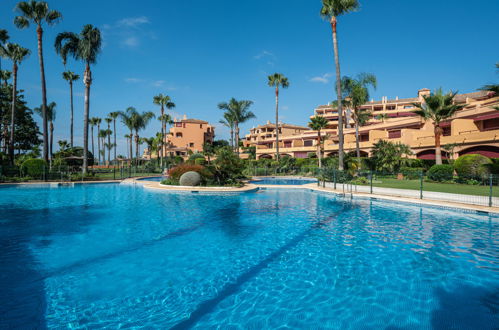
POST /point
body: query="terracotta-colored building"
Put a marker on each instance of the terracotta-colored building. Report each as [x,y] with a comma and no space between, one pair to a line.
[475,129]
[185,136]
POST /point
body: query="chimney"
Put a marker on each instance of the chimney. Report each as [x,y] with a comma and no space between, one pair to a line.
[423,92]
[185,117]
[396,98]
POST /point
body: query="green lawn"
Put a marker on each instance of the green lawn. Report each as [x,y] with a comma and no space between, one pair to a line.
[454,188]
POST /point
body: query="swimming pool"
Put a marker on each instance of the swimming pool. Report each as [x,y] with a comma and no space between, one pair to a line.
[283,181]
[152,178]
[110,255]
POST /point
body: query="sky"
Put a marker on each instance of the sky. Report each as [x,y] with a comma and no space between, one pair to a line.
[202,53]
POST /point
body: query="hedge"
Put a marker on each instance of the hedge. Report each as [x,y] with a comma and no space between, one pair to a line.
[472,166]
[441,173]
[34,167]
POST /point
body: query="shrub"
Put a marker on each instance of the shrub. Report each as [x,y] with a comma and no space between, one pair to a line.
[472,166]
[200,161]
[441,173]
[360,180]
[411,173]
[34,167]
[195,156]
[176,172]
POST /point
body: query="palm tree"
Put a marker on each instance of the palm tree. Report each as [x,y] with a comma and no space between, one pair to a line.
[93,122]
[70,77]
[239,113]
[228,121]
[109,121]
[277,80]
[5,75]
[140,122]
[16,54]
[330,10]
[37,13]
[101,138]
[163,101]
[51,114]
[150,142]
[85,46]
[164,119]
[438,107]
[318,123]
[357,93]
[127,137]
[127,118]
[114,115]
[382,117]
[98,121]
[4,36]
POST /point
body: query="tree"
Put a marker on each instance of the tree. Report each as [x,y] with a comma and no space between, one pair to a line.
[277,80]
[16,54]
[151,143]
[228,122]
[114,115]
[135,122]
[63,145]
[4,36]
[128,137]
[37,13]
[389,156]
[51,114]
[438,107]
[382,117]
[127,117]
[93,122]
[163,101]
[208,150]
[318,123]
[70,77]
[109,121]
[98,121]
[165,119]
[356,94]
[330,10]
[239,113]
[85,47]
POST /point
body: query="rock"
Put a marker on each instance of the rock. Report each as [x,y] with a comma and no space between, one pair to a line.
[190,178]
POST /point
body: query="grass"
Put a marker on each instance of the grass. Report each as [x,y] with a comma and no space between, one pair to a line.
[453,188]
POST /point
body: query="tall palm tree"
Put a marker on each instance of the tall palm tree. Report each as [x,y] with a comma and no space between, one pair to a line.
[70,77]
[16,54]
[85,47]
[239,113]
[165,119]
[150,142]
[382,117]
[330,10]
[140,121]
[277,80]
[98,121]
[163,101]
[128,137]
[51,114]
[318,123]
[38,13]
[228,122]
[102,135]
[438,107]
[127,118]
[356,91]
[114,115]
[4,36]
[109,121]
[93,122]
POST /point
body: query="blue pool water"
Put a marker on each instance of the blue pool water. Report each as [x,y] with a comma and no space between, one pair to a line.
[283,181]
[112,255]
[153,178]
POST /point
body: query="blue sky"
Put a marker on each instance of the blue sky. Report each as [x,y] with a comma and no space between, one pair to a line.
[204,52]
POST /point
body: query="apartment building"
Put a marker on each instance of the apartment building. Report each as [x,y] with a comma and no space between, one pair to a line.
[475,129]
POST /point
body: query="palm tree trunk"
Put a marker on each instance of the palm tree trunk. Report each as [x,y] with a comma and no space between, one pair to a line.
[71,102]
[136,148]
[115,145]
[39,33]
[131,147]
[51,142]
[98,141]
[93,151]
[232,137]
[277,122]
[88,81]
[438,151]
[237,138]
[163,128]
[108,144]
[13,113]
[319,156]
[338,92]
[357,144]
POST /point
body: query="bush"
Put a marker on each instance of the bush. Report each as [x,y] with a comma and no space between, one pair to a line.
[200,161]
[176,172]
[472,166]
[34,167]
[411,173]
[361,180]
[441,173]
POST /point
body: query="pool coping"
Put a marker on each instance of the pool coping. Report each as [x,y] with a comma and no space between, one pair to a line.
[184,189]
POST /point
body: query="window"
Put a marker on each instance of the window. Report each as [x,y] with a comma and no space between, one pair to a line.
[491,123]
[408,106]
[287,144]
[191,145]
[200,125]
[446,131]
[178,134]
[390,107]
[178,124]
[394,134]
[308,143]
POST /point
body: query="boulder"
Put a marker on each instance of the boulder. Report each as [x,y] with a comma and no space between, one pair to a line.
[190,178]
